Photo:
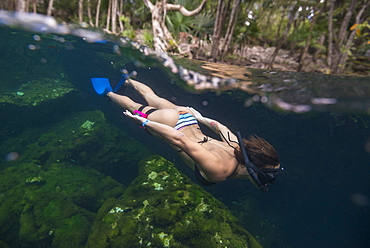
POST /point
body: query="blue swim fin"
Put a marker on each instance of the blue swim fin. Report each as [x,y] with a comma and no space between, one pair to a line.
[121,82]
[101,86]
[125,75]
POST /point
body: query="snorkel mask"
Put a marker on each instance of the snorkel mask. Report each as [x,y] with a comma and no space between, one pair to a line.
[261,177]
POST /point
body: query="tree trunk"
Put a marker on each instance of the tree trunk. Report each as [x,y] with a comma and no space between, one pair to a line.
[89,13]
[342,36]
[230,28]
[318,51]
[114,16]
[108,16]
[160,31]
[283,37]
[34,6]
[27,5]
[97,14]
[344,55]
[21,6]
[121,27]
[330,34]
[50,7]
[161,34]
[304,51]
[80,10]
[217,30]
[280,23]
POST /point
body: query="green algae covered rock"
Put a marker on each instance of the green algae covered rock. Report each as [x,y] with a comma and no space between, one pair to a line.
[35,92]
[51,192]
[54,194]
[35,102]
[83,138]
[57,213]
[163,208]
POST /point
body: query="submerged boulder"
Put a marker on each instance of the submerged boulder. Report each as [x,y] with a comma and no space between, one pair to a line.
[53,195]
[59,211]
[50,189]
[82,138]
[35,92]
[163,208]
[35,102]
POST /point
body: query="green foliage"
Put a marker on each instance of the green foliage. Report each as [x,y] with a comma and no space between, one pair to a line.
[268,20]
[64,10]
[128,29]
[301,33]
[247,35]
[199,25]
[362,40]
[176,23]
[203,24]
[148,38]
[139,15]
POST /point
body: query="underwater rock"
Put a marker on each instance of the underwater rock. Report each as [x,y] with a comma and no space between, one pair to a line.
[35,92]
[87,125]
[35,180]
[35,102]
[76,140]
[51,192]
[57,213]
[163,208]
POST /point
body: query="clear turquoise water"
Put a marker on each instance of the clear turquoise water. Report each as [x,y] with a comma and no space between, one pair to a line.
[319,124]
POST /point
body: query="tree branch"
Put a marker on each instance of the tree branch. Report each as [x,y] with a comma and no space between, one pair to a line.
[344,56]
[149,4]
[183,10]
[343,28]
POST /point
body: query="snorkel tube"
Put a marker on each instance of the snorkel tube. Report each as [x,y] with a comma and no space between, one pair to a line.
[253,171]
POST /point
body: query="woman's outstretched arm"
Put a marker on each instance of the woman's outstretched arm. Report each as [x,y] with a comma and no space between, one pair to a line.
[215,126]
[169,134]
[213,164]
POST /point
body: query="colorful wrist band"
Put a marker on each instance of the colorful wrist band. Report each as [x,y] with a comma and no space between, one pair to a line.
[144,123]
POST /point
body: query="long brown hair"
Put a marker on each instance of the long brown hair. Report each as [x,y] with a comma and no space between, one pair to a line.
[260,152]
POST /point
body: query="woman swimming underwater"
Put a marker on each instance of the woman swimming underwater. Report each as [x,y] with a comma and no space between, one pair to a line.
[212,160]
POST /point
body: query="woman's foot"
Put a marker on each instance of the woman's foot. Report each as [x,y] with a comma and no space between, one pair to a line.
[101,86]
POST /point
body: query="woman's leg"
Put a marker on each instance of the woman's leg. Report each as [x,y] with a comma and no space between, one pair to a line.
[164,116]
[150,97]
[165,113]
[124,101]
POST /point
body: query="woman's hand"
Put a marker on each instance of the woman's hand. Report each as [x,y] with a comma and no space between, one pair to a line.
[212,124]
[196,114]
[136,118]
